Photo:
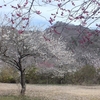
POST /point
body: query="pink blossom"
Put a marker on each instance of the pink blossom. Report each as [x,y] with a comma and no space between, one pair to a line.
[46,63]
[13,15]
[20,31]
[59,5]
[87,38]
[24,18]
[81,17]
[70,18]
[19,15]
[98,25]
[18,6]
[81,42]
[73,3]
[83,8]
[62,13]
[14,7]
[24,26]
[51,20]
[56,31]
[55,16]
[77,17]
[52,14]
[85,11]
[90,34]
[56,12]
[68,11]
[26,3]
[12,21]
[46,39]
[38,12]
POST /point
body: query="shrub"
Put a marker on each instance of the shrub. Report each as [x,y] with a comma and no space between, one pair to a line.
[86,75]
[8,75]
[31,76]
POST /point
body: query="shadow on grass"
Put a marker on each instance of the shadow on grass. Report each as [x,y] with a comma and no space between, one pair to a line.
[18,98]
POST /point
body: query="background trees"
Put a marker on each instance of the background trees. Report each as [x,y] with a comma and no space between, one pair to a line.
[86,75]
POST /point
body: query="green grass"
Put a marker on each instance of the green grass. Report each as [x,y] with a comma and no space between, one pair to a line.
[17,98]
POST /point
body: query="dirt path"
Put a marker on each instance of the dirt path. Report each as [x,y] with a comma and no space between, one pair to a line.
[54,92]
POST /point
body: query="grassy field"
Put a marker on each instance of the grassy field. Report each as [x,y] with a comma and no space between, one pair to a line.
[15,98]
[50,92]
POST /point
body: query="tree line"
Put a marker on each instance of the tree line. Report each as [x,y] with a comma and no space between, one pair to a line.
[86,75]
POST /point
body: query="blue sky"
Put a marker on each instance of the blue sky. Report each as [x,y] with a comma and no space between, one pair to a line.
[45,9]
[37,20]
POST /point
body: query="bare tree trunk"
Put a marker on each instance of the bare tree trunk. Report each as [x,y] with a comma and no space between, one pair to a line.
[23,86]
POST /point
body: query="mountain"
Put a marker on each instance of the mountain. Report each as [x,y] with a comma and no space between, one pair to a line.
[64,47]
[82,41]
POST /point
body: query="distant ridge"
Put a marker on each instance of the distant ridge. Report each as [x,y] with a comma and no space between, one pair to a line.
[87,52]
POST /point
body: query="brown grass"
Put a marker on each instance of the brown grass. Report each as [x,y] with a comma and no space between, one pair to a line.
[54,92]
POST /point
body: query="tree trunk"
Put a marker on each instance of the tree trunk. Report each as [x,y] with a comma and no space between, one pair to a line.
[23,86]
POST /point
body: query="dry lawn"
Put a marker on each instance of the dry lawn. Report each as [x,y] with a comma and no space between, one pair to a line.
[54,92]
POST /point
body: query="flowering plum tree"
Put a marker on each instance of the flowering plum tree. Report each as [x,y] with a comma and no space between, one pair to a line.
[16,50]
